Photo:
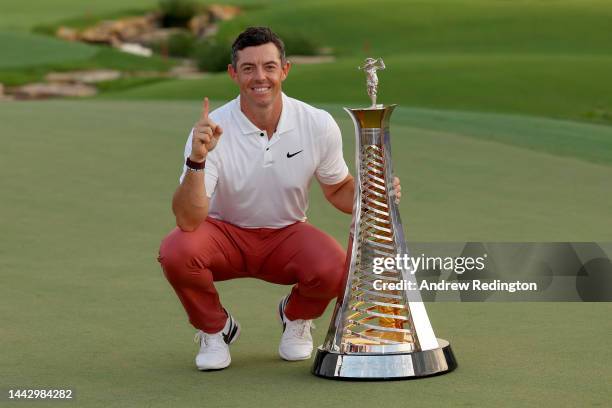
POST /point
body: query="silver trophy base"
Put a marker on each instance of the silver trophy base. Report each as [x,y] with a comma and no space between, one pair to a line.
[397,366]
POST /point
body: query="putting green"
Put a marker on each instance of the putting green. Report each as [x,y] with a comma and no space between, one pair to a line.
[85,305]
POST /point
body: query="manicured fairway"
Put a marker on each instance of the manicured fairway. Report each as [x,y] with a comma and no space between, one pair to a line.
[19,15]
[530,57]
[477,55]
[396,27]
[40,50]
[542,85]
[85,305]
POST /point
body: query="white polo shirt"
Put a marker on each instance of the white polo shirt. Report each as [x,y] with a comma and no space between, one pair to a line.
[256,182]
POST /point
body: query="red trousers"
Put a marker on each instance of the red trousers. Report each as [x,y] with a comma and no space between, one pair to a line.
[298,255]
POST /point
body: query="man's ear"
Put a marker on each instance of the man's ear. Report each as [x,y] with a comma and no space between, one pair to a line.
[285,70]
[232,72]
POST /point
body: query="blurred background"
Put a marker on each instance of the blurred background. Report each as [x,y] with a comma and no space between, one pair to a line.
[503,133]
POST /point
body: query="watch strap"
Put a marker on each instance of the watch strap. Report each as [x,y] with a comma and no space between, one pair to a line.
[195,165]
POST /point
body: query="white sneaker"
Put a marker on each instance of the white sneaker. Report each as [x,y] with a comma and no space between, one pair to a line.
[296,342]
[214,351]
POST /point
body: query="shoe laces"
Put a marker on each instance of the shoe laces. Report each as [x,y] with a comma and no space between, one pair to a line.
[300,327]
[207,340]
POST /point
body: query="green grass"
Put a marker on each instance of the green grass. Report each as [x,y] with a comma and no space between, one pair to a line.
[471,55]
[392,27]
[86,21]
[98,58]
[19,15]
[22,50]
[23,16]
[127,83]
[582,141]
[498,191]
[493,56]
[85,304]
[525,84]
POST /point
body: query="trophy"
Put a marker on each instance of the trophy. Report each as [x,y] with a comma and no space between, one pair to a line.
[380,328]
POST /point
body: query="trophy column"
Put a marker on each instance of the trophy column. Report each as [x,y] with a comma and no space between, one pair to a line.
[376,332]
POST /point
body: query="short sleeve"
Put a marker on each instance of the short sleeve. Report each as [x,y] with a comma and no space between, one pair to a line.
[210,168]
[332,168]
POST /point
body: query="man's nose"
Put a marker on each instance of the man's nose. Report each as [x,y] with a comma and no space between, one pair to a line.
[260,74]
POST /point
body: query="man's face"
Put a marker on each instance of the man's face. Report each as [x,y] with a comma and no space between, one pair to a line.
[259,73]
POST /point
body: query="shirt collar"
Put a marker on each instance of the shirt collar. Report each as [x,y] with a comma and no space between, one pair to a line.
[285,123]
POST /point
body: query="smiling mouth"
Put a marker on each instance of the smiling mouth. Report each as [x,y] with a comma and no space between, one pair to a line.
[260,90]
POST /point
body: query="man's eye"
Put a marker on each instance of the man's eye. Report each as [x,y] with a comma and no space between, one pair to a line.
[247,69]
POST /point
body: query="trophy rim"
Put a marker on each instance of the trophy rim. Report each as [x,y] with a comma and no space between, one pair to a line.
[372,108]
[423,364]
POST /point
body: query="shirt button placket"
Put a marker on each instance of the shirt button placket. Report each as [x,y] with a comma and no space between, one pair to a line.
[267,154]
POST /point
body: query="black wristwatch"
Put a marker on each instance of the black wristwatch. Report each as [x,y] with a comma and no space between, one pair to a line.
[194,166]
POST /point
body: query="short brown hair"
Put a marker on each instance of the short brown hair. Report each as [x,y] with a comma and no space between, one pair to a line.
[254,36]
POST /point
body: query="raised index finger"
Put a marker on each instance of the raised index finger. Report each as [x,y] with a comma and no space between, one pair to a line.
[205,108]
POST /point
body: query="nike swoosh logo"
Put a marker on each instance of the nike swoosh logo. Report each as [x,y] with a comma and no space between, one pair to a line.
[289,155]
[227,338]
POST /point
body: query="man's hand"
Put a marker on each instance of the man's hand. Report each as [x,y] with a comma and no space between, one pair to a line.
[205,136]
[397,189]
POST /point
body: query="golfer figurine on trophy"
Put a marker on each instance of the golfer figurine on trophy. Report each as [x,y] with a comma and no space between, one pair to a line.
[370,66]
[378,331]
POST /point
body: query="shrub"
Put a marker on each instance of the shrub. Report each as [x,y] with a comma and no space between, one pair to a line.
[176,13]
[298,44]
[181,44]
[212,55]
